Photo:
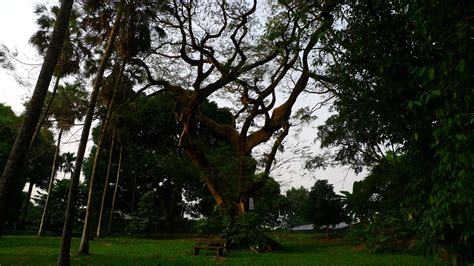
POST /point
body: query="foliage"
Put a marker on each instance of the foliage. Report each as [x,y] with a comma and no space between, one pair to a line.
[247,232]
[387,232]
[405,66]
[9,123]
[213,224]
[37,165]
[295,204]
[148,215]
[324,207]
[57,201]
[382,191]
[149,132]
[6,58]
[270,205]
[67,105]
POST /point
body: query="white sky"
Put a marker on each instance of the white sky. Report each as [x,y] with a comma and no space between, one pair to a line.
[17,25]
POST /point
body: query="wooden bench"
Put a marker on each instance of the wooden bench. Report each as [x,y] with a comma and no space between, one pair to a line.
[210,244]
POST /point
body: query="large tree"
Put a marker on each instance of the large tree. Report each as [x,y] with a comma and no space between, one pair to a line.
[402,82]
[33,111]
[261,70]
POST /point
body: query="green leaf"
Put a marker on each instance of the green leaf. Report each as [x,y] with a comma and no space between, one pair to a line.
[431,74]
[420,71]
[461,137]
[461,66]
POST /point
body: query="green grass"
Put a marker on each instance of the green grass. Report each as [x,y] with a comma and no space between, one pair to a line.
[299,249]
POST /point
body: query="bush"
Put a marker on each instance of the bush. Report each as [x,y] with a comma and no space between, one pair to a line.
[246,231]
[385,234]
[242,232]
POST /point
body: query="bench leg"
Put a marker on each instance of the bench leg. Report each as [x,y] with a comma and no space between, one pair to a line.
[196,251]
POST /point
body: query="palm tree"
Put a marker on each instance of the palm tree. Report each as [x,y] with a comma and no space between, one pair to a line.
[67,162]
[84,246]
[66,107]
[32,114]
[64,253]
[134,37]
[71,54]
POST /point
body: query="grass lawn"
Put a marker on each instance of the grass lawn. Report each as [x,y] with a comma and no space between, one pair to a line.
[299,249]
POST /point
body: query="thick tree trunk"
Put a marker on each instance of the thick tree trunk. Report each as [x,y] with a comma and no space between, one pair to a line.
[33,111]
[115,190]
[63,258]
[106,187]
[84,246]
[54,168]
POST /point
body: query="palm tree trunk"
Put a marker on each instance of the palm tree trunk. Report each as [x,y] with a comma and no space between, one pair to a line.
[106,187]
[84,246]
[33,111]
[63,258]
[46,111]
[115,190]
[51,182]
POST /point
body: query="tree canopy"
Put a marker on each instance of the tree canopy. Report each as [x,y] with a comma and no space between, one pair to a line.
[401,84]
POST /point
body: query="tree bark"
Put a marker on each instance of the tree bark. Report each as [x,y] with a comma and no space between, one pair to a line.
[106,187]
[65,248]
[115,190]
[33,111]
[54,168]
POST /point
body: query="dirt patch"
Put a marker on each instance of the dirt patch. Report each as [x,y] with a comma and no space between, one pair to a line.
[359,247]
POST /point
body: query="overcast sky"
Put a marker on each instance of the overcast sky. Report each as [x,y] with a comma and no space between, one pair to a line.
[17,25]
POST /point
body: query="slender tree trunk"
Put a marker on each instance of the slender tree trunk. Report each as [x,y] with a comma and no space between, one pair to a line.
[54,168]
[27,202]
[20,148]
[84,246]
[63,258]
[106,187]
[46,111]
[115,190]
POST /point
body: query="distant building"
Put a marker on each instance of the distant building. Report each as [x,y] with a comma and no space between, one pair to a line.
[310,227]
